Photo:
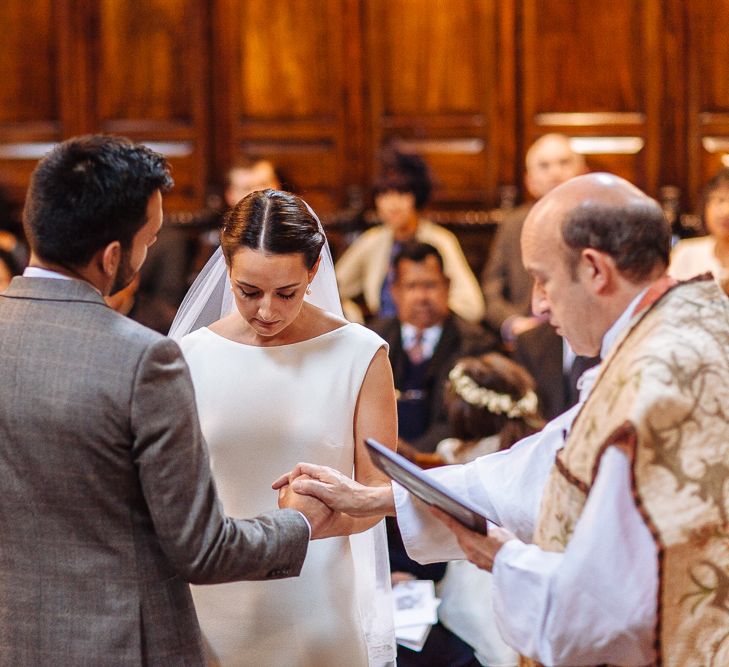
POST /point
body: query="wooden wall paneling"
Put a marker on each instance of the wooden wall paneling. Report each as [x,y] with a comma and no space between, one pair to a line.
[150,83]
[674,162]
[354,92]
[595,71]
[708,91]
[35,80]
[285,97]
[431,76]
[509,169]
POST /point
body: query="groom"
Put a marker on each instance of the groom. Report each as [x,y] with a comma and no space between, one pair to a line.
[107,507]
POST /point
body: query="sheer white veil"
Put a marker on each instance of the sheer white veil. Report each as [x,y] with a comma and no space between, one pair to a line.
[211,298]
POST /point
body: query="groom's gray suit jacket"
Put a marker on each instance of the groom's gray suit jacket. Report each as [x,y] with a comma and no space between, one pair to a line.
[107,506]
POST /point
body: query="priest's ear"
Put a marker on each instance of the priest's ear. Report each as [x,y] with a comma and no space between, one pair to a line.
[597,270]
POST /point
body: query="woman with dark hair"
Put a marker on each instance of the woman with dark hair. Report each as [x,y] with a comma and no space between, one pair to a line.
[279,380]
[491,405]
[365,269]
[691,257]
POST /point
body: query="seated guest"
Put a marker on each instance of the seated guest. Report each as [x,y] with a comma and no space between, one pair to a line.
[245,176]
[249,175]
[554,366]
[491,405]
[163,280]
[425,338]
[691,257]
[506,285]
[365,268]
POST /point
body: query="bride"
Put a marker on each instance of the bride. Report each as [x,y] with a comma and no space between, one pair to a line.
[280,380]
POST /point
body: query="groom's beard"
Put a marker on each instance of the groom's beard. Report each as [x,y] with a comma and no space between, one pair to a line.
[124,274]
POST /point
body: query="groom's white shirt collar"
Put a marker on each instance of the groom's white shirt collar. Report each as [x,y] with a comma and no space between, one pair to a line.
[37,272]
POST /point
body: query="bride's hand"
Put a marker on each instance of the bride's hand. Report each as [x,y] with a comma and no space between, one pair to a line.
[338,491]
[322,520]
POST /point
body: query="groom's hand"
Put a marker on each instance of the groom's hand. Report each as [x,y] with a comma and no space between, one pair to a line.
[319,516]
[338,491]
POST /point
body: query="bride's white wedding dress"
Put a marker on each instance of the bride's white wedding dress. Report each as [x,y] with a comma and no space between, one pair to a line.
[262,410]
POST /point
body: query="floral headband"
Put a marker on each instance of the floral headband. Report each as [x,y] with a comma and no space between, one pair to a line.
[495,402]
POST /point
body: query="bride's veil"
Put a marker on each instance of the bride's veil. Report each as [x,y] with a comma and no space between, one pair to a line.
[211,298]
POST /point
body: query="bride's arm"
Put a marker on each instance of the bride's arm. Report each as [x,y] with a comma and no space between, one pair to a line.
[375,417]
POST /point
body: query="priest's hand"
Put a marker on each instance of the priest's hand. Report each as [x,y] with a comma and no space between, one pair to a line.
[341,493]
[320,517]
[480,549]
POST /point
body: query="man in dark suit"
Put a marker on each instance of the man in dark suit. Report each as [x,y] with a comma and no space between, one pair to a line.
[108,508]
[425,339]
[542,351]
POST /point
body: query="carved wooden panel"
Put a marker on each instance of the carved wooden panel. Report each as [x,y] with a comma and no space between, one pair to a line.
[431,75]
[32,111]
[28,91]
[708,90]
[594,70]
[318,86]
[150,82]
[281,92]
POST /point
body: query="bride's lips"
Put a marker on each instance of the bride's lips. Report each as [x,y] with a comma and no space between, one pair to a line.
[266,325]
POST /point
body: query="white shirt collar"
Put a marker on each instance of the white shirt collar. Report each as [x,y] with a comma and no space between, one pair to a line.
[37,272]
[568,356]
[608,340]
[587,379]
[431,336]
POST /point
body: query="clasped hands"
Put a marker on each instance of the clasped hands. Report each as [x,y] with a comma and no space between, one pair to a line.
[324,494]
[335,494]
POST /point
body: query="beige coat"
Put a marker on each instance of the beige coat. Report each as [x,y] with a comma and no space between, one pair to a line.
[362,269]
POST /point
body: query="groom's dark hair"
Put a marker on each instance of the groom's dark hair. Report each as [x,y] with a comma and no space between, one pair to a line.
[274,222]
[87,192]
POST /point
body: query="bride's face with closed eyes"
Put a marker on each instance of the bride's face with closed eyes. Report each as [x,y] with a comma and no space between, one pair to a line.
[269,289]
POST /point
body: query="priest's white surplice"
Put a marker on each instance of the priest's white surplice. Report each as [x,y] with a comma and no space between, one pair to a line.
[592,603]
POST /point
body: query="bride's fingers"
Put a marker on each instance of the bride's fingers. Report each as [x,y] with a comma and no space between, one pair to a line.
[281,481]
[288,477]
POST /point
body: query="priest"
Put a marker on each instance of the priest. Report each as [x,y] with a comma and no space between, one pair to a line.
[612,545]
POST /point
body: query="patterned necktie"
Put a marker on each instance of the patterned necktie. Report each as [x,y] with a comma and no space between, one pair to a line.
[416,351]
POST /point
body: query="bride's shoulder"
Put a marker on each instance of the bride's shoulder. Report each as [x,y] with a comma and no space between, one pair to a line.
[322,321]
[352,331]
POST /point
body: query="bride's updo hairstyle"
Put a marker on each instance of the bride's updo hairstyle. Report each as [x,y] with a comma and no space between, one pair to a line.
[273,222]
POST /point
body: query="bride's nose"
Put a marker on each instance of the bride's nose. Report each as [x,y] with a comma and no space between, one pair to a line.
[265,307]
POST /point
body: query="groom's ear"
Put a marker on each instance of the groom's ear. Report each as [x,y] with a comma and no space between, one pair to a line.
[111,259]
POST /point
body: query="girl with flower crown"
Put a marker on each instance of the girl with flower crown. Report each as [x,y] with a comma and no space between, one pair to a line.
[491,405]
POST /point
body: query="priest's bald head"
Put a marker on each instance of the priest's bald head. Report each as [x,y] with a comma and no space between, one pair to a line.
[592,245]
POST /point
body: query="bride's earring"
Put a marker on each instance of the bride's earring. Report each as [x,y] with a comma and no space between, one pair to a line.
[308,288]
